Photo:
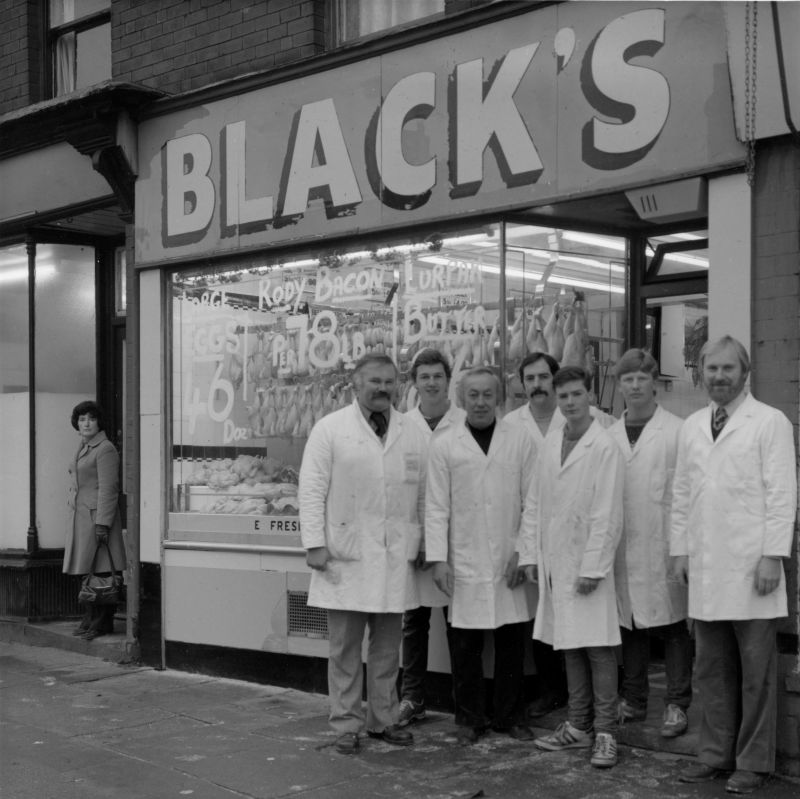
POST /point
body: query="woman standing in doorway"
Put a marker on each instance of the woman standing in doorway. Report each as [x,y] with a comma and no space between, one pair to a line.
[94,520]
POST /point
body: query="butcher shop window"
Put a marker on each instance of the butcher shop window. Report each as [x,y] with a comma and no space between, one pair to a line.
[565,295]
[263,349]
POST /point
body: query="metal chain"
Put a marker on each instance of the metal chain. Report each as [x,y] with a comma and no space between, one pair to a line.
[750,81]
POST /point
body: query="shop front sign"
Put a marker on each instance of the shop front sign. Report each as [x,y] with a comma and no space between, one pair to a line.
[554,103]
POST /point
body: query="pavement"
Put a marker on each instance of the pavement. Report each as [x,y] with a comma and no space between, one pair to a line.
[74,725]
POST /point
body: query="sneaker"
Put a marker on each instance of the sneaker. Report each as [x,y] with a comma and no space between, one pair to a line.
[565,737]
[675,722]
[604,752]
[629,712]
[410,711]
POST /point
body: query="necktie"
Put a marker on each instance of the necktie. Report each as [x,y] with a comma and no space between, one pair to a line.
[718,421]
[379,423]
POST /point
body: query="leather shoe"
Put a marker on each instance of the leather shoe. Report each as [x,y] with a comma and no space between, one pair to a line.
[519,732]
[745,781]
[700,773]
[393,735]
[347,743]
[466,736]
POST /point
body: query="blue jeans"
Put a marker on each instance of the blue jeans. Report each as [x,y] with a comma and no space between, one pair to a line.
[677,664]
[592,683]
[416,625]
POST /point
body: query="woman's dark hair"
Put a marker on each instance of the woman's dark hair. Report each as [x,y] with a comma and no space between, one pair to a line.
[88,408]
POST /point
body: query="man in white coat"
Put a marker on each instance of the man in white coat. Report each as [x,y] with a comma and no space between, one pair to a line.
[652,600]
[361,503]
[571,528]
[478,474]
[430,373]
[538,416]
[735,498]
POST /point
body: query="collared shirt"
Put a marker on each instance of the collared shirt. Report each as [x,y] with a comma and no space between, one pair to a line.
[732,406]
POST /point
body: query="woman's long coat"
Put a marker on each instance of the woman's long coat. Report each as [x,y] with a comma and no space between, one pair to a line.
[93,498]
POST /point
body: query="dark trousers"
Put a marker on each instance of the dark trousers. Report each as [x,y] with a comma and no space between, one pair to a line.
[551,677]
[469,690]
[737,679]
[677,664]
[416,626]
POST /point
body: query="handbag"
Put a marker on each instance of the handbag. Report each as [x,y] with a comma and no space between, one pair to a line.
[97,590]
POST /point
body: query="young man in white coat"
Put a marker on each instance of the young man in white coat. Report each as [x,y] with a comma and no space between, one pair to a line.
[430,373]
[652,601]
[538,416]
[733,512]
[571,528]
[361,505]
[478,474]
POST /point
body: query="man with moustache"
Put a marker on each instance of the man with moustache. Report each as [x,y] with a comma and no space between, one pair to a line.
[570,531]
[430,373]
[538,416]
[361,506]
[478,473]
[733,512]
[653,602]
[541,414]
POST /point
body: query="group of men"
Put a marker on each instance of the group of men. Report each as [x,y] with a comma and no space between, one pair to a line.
[601,531]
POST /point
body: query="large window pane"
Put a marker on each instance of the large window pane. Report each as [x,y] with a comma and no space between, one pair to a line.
[565,294]
[65,372]
[14,417]
[262,351]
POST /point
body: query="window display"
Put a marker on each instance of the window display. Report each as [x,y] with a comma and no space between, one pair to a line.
[261,351]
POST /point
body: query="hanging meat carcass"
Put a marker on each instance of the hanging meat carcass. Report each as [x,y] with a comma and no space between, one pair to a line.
[578,339]
[554,334]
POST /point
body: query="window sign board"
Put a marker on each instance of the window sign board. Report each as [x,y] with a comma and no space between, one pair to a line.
[565,100]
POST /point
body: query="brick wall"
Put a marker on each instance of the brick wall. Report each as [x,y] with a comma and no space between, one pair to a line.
[776,368]
[20,52]
[178,45]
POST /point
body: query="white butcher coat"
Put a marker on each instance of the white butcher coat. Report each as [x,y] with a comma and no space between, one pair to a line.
[524,417]
[734,500]
[647,592]
[571,527]
[363,500]
[472,517]
[429,595]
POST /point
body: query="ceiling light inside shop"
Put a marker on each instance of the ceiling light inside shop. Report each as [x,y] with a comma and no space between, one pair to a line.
[528,274]
[607,242]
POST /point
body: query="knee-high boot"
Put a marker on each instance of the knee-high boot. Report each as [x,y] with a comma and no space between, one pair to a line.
[86,619]
[95,625]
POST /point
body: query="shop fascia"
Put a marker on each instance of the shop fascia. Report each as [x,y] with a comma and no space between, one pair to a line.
[483,113]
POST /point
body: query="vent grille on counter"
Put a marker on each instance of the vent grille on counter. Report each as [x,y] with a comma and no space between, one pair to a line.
[303,620]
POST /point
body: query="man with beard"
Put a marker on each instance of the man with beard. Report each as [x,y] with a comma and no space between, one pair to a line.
[430,373]
[479,472]
[361,506]
[733,511]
